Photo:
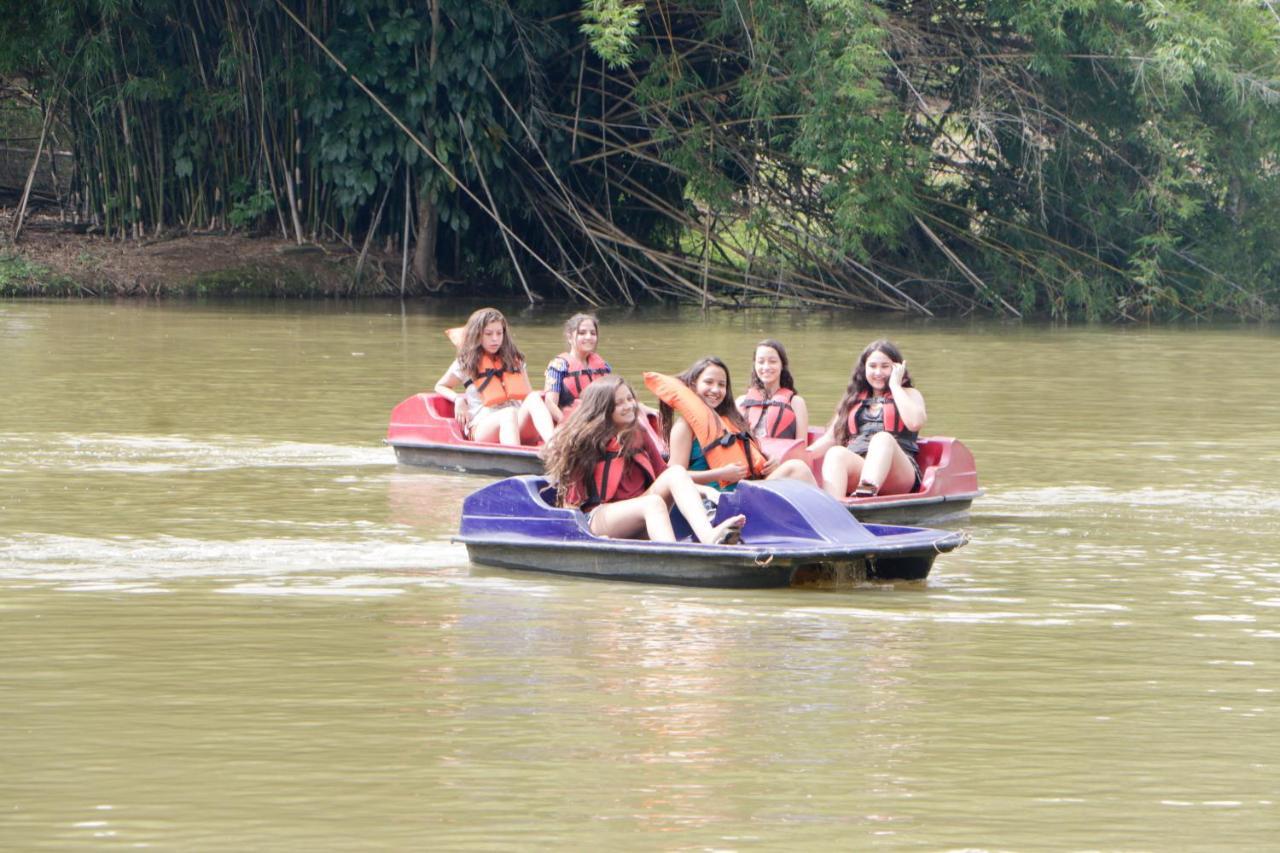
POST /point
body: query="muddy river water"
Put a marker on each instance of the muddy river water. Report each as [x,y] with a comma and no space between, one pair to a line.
[228,619]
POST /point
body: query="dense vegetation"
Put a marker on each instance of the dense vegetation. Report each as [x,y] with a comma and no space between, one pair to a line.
[1059,157]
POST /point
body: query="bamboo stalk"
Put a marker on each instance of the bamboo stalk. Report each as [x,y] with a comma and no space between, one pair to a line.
[21,214]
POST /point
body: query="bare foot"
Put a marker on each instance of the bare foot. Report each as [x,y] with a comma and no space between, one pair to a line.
[729,531]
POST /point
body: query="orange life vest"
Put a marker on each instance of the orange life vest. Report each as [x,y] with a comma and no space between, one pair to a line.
[892,421]
[578,376]
[511,384]
[776,412]
[608,472]
[721,444]
[497,384]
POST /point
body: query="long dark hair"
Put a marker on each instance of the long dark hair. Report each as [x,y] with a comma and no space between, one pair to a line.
[858,384]
[471,350]
[784,376]
[570,456]
[727,409]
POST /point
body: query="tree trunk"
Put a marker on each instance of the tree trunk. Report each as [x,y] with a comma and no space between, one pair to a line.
[425,269]
[424,249]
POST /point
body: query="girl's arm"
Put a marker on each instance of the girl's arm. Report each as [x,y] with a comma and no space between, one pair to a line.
[444,387]
[446,383]
[551,388]
[913,414]
[908,401]
[801,409]
[680,445]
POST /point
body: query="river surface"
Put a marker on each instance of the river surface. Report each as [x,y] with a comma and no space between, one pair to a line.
[228,619]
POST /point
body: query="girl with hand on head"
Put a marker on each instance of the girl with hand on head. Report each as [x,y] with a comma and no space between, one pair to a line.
[495,403]
[603,462]
[569,373]
[870,445]
[736,455]
[771,405]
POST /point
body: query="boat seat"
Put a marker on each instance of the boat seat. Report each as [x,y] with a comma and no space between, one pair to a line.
[443,409]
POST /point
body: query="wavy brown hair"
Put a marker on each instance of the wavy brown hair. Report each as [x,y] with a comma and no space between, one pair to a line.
[583,439]
[728,409]
[858,384]
[785,379]
[471,350]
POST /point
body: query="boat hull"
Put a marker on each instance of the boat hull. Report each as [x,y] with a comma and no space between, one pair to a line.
[726,572]
[468,460]
[918,511]
[795,534]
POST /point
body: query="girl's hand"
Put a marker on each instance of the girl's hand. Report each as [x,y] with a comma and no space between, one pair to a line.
[770,465]
[895,377]
[732,473]
[460,409]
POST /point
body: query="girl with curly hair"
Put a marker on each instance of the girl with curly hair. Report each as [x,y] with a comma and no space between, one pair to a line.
[604,462]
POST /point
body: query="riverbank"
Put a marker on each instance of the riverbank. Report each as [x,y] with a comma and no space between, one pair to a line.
[54,260]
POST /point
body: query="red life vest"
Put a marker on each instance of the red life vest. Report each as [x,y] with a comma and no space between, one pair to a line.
[577,376]
[607,475]
[776,412]
[497,384]
[892,422]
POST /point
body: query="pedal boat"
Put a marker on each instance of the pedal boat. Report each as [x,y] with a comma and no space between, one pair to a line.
[424,432]
[794,534]
[948,482]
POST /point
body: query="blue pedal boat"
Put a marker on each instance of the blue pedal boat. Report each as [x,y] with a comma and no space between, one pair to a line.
[794,533]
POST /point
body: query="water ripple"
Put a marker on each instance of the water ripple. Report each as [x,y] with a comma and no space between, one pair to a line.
[80,559]
[149,454]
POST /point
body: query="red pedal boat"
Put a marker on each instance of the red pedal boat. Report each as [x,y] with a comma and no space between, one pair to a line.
[948,482]
[424,432]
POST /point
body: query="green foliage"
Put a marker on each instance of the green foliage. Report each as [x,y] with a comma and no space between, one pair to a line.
[1071,158]
[249,207]
[21,277]
[611,27]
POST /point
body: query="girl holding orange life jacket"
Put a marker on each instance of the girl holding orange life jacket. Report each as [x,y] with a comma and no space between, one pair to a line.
[569,373]
[495,403]
[604,463]
[710,437]
[771,405]
[870,445]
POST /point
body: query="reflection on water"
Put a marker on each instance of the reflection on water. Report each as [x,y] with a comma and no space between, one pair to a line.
[232,621]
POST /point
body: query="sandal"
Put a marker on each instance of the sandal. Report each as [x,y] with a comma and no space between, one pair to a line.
[866,490]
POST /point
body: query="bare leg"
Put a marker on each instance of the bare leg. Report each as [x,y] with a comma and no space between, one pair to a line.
[674,484]
[840,467]
[888,466]
[508,425]
[793,469]
[486,426]
[534,410]
[628,519]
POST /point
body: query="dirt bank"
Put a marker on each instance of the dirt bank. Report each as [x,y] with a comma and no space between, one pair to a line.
[54,259]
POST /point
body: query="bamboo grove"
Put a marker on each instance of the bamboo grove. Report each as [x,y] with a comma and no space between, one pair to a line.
[1067,158]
